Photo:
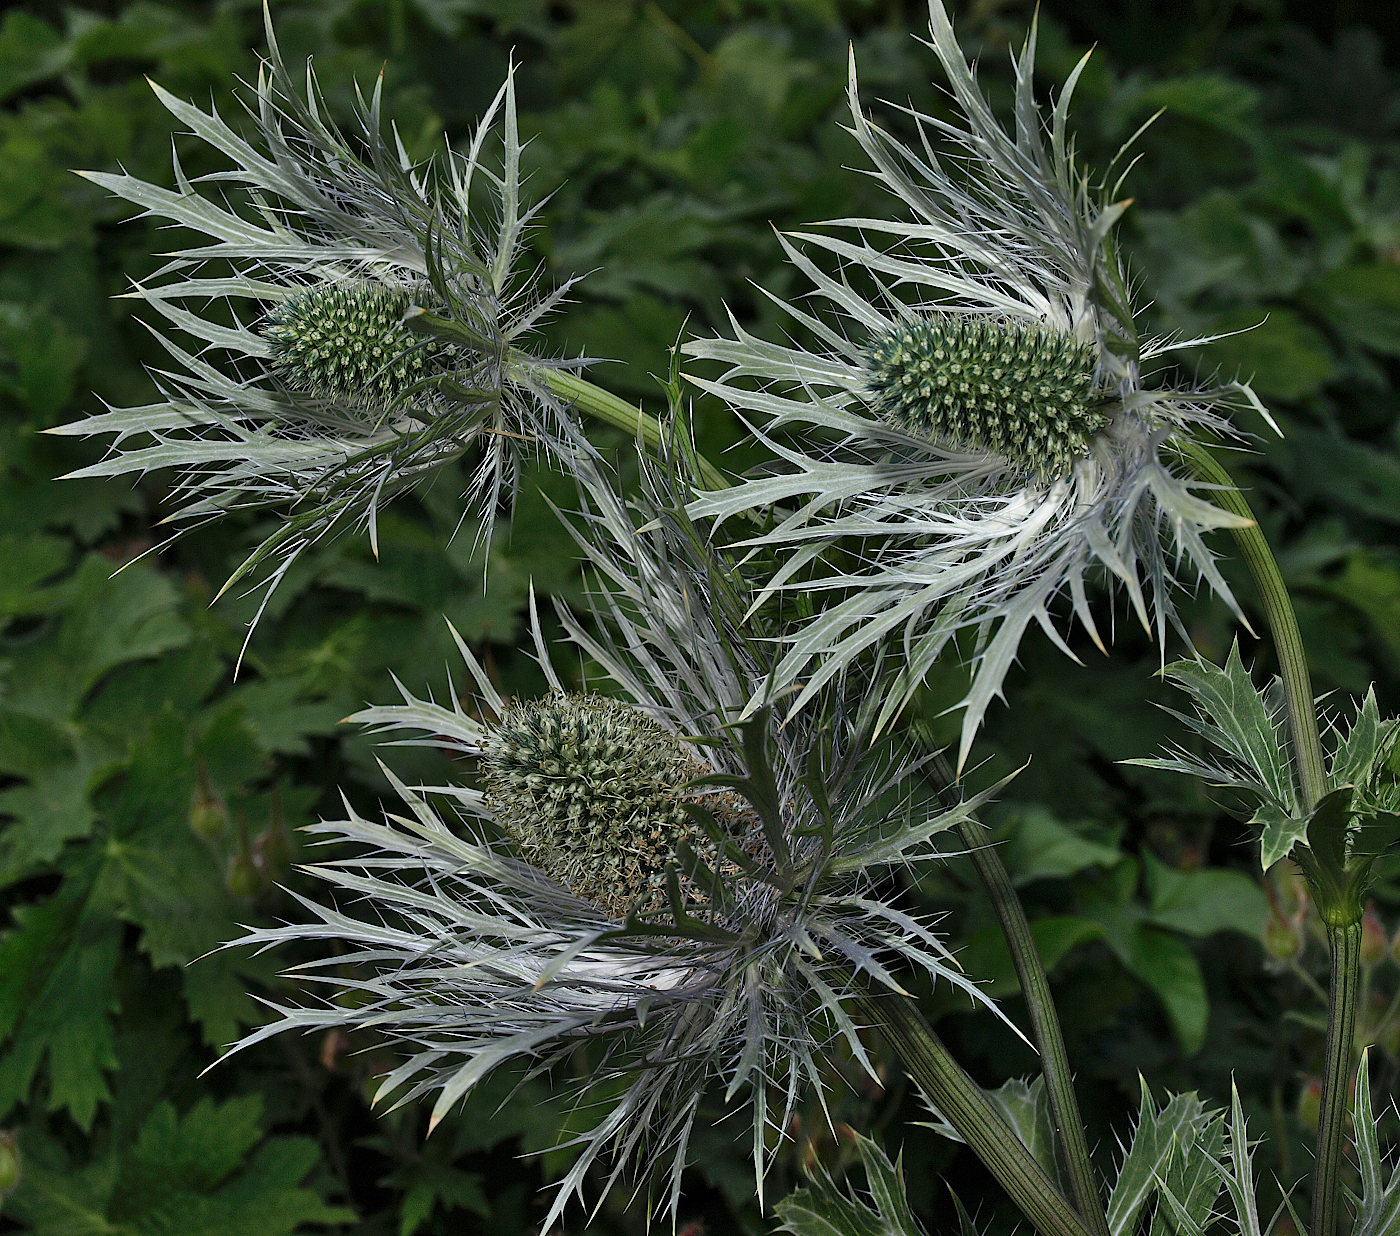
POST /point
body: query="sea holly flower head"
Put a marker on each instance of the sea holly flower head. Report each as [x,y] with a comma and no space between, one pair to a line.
[344,322]
[977,426]
[690,894]
[595,794]
[1019,391]
[347,342]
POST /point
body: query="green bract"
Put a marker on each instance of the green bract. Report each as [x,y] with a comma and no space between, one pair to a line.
[982,384]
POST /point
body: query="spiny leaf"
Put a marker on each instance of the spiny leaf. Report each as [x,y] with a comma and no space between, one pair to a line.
[822,1209]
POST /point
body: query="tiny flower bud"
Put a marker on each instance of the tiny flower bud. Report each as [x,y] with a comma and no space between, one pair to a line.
[244,878]
[333,1046]
[273,846]
[1018,390]
[1310,1103]
[9,1163]
[1373,939]
[1283,938]
[208,816]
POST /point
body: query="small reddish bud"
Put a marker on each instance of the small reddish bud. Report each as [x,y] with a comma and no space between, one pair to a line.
[1310,1103]
[1373,940]
[9,1163]
[333,1046]
[1283,938]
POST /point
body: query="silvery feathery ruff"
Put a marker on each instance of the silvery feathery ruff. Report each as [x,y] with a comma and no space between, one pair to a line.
[975,429]
[631,871]
[303,389]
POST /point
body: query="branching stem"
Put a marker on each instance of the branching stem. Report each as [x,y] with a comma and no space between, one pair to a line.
[588,398]
[606,407]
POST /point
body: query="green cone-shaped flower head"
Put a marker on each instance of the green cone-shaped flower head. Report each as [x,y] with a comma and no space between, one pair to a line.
[593,792]
[1021,391]
[347,342]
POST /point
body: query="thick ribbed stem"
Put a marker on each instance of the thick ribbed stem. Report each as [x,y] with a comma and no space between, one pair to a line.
[1045,1024]
[1343,927]
[963,1104]
[1344,941]
[1283,625]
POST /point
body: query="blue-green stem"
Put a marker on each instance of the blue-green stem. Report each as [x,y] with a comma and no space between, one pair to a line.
[1343,922]
[1045,1026]
[1283,625]
[1344,943]
[1045,1020]
[963,1104]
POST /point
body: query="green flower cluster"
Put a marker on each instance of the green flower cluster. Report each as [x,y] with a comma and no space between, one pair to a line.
[593,792]
[1024,392]
[347,342]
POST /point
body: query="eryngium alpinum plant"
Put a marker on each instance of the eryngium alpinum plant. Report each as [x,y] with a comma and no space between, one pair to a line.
[976,426]
[693,898]
[295,383]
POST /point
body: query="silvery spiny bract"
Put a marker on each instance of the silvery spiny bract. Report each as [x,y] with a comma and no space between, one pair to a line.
[976,429]
[303,389]
[754,922]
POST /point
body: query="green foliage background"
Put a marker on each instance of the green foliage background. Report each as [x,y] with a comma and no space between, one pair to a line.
[672,134]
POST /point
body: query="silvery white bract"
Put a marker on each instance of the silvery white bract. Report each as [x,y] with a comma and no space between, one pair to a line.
[294,383]
[466,956]
[975,433]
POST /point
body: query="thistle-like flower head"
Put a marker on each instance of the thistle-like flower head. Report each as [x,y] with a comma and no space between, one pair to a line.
[346,343]
[345,322]
[594,793]
[694,897]
[975,432]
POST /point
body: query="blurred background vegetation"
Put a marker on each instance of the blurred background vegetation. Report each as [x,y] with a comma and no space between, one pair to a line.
[151,800]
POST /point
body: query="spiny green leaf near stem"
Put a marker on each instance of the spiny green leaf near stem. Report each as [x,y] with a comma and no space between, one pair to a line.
[961,1101]
[1283,624]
